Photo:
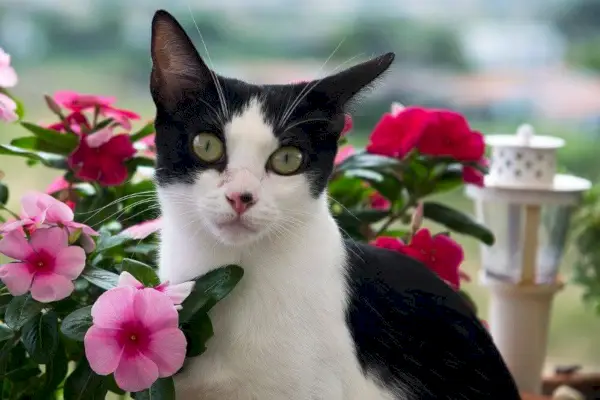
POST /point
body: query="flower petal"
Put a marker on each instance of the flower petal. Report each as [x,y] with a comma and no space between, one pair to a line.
[51,287]
[113,307]
[178,293]
[52,240]
[119,146]
[112,173]
[136,373]
[167,349]
[102,349]
[70,262]
[84,228]
[35,203]
[155,310]
[17,277]
[126,279]
[14,245]
[143,229]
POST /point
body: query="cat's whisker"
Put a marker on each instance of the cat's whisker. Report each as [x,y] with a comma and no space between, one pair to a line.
[211,69]
[112,203]
[119,213]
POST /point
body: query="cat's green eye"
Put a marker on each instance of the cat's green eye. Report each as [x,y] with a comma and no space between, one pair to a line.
[286,160]
[208,147]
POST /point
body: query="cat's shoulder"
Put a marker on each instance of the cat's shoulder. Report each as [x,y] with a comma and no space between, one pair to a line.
[413,331]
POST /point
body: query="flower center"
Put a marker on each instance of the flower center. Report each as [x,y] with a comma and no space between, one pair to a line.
[133,338]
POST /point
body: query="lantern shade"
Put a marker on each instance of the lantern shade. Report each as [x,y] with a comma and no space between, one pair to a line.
[507,259]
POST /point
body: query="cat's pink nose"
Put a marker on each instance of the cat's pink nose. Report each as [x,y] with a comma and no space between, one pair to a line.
[240,201]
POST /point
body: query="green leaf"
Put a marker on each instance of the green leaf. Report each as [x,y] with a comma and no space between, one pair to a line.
[162,389]
[112,386]
[66,142]
[84,384]
[5,332]
[3,194]
[76,324]
[142,272]
[137,162]
[197,332]
[457,221]
[147,130]
[35,143]
[102,124]
[108,241]
[209,290]
[20,310]
[40,337]
[56,371]
[100,277]
[369,161]
[49,160]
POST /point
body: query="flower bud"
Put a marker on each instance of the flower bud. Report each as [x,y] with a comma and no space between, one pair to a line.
[52,105]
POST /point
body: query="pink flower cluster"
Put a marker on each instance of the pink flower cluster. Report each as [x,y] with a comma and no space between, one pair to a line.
[101,155]
[135,333]
[46,262]
[8,79]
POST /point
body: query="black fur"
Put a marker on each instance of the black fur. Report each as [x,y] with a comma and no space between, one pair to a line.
[417,334]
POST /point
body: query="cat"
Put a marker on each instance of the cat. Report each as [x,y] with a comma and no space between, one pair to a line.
[241,177]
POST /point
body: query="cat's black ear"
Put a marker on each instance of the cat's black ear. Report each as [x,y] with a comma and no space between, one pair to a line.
[176,65]
[343,86]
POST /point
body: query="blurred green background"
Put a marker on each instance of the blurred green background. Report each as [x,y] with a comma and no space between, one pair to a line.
[501,62]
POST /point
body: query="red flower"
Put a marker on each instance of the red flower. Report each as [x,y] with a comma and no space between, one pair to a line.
[440,253]
[80,102]
[378,201]
[348,124]
[432,132]
[448,134]
[76,120]
[398,133]
[474,176]
[390,243]
[343,153]
[101,157]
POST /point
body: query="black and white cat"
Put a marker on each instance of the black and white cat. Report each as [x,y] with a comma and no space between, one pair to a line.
[242,172]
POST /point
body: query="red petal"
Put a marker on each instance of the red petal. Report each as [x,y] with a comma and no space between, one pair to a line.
[119,147]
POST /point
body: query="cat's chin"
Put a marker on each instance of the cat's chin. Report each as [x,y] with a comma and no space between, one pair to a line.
[237,232]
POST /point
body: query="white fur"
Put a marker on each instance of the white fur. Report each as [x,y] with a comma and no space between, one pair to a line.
[280,335]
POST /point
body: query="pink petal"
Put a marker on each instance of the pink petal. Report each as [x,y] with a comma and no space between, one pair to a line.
[10,226]
[144,229]
[35,203]
[84,228]
[167,349]
[155,310]
[8,109]
[52,240]
[70,262]
[17,277]
[136,373]
[343,153]
[14,245]
[102,349]
[178,293]
[8,76]
[51,287]
[99,138]
[57,185]
[113,307]
[87,243]
[126,279]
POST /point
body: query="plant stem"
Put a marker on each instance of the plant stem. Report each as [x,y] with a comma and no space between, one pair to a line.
[3,207]
[395,216]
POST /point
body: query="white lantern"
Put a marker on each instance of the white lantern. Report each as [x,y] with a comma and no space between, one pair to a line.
[528,207]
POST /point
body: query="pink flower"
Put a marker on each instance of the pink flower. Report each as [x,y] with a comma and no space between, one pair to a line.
[8,109]
[8,76]
[144,229]
[379,202]
[58,185]
[80,102]
[147,146]
[46,265]
[177,293]
[347,124]
[388,242]
[101,157]
[39,210]
[76,121]
[135,334]
[343,153]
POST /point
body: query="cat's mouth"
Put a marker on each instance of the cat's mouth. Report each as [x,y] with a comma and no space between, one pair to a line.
[237,226]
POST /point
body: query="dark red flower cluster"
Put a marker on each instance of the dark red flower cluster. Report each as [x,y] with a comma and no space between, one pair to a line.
[439,253]
[437,133]
[101,155]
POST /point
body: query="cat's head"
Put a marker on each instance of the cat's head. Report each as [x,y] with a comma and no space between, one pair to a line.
[244,160]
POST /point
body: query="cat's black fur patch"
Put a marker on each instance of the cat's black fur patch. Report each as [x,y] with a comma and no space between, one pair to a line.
[417,334]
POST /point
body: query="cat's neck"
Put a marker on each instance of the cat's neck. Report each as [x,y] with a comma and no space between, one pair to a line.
[188,250]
